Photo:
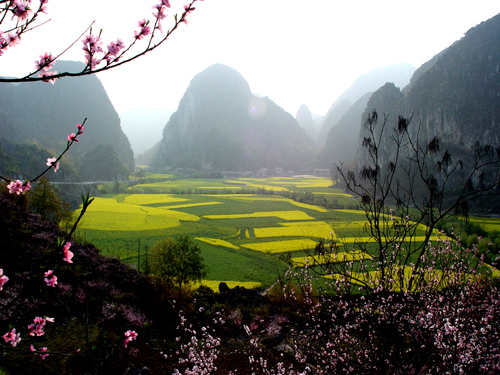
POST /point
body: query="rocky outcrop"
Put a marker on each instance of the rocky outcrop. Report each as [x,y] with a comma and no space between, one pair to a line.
[399,74]
[305,119]
[342,142]
[47,113]
[456,97]
[220,125]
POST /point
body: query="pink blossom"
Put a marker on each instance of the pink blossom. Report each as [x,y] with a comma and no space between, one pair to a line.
[52,281]
[37,328]
[68,255]
[3,43]
[129,336]
[46,62]
[114,48]
[160,12]
[21,10]
[44,354]
[52,162]
[188,8]
[145,30]
[17,187]
[72,138]
[3,279]
[13,38]
[92,44]
[12,337]
[80,128]
[43,8]
[43,351]
[26,187]
[47,76]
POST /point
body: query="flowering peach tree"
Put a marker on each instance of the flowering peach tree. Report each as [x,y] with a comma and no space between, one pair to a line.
[18,17]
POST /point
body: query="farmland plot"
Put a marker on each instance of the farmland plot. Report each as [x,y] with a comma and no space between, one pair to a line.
[113,216]
[316,229]
[284,246]
[241,235]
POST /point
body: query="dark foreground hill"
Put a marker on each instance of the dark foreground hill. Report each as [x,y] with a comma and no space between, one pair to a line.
[97,300]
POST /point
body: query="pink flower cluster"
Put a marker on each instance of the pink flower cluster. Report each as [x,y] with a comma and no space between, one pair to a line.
[53,278]
[199,354]
[12,337]
[42,351]
[114,49]
[73,137]
[68,255]
[18,187]
[22,10]
[8,40]
[22,15]
[44,65]
[3,279]
[144,31]
[129,336]
[52,162]
[37,328]
[92,45]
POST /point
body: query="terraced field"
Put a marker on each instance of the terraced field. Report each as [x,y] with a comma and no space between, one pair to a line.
[242,236]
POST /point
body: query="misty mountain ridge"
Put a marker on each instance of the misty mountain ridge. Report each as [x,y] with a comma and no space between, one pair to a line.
[456,97]
[221,125]
[45,114]
[342,142]
[399,74]
[305,119]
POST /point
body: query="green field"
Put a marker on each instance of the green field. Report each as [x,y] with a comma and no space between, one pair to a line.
[242,236]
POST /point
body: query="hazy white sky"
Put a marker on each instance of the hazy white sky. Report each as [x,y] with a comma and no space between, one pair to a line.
[294,52]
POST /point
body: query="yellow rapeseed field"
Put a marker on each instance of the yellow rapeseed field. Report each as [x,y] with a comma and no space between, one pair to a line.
[285,215]
[193,205]
[279,199]
[281,246]
[360,212]
[108,214]
[350,240]
[217,242]
[317,229]
[350,256]
[152,199]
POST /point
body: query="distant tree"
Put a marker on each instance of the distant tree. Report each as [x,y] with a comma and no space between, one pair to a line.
[177,262]
[45,202]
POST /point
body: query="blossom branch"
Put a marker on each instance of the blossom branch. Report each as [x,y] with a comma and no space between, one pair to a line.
[92,47]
